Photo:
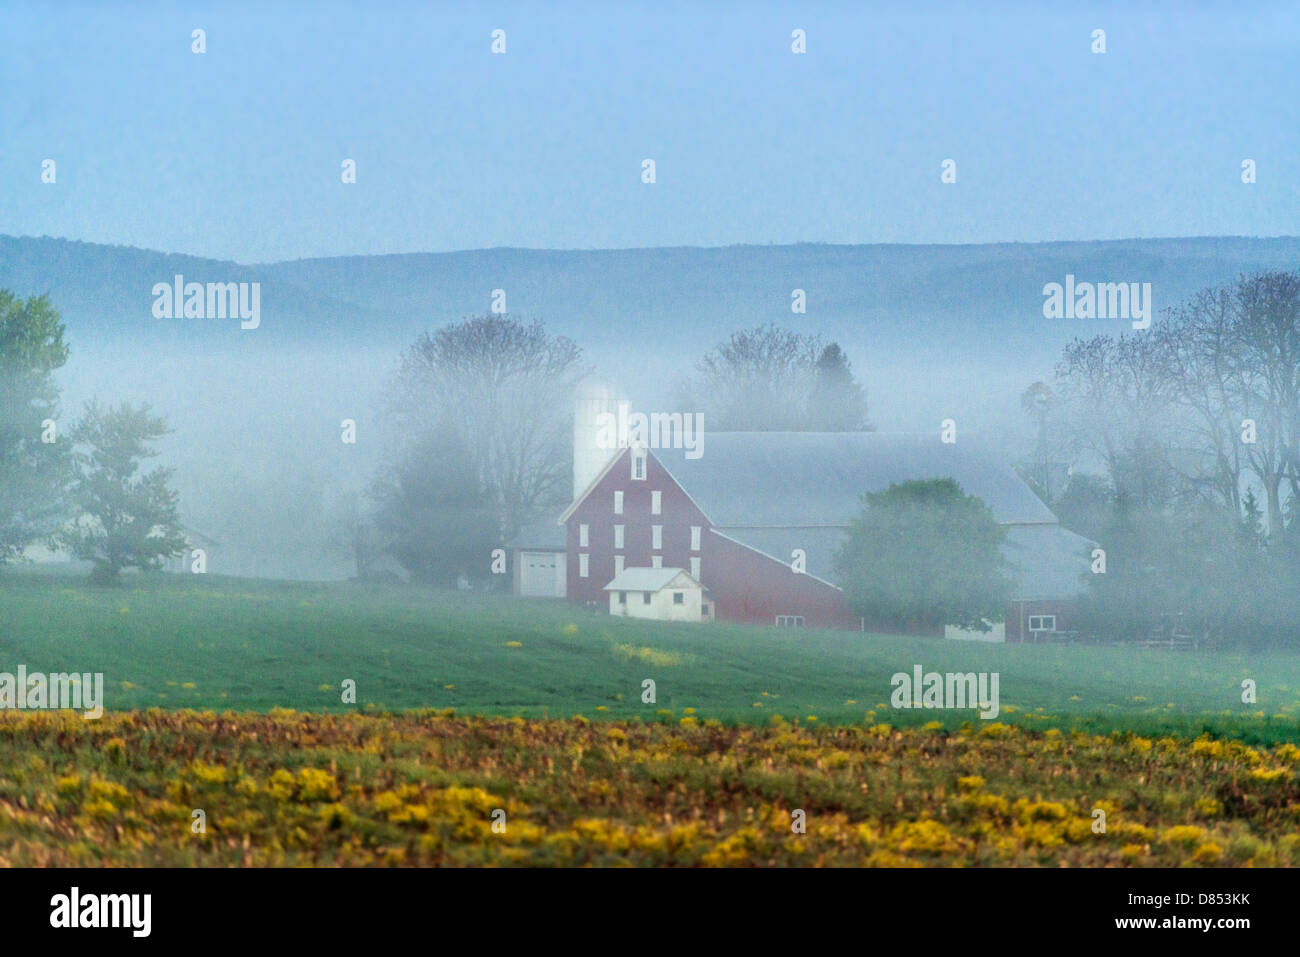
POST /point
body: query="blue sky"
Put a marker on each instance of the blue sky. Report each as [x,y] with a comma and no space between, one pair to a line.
[236,153]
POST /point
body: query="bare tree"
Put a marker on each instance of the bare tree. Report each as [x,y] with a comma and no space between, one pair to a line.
[505,388]
[1196,345]
[1204,405]
[1117,404]
[769,380]
[1266,341]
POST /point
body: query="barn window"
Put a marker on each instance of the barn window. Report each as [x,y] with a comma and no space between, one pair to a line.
[582,536]
[582,565]
[638,465]
[679,598]
[656,561]
[622,598]
[789,621]
[645,598]
[618,501]
[704,609]
[618,564]
[656,536]
[1042,623]
[695,538]
[656,502]
[695,568]
[618,536]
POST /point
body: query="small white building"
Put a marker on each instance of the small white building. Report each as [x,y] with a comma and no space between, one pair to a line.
[664,594]
[184,562]
[997,632]
[537,561]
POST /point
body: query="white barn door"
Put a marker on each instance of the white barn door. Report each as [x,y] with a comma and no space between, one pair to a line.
[541,574]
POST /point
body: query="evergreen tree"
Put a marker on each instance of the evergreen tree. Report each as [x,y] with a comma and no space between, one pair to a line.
[768,379]
[838,403]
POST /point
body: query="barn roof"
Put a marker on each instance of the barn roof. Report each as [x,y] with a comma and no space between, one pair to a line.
[646,579]
[817,478]
[818,543]
[198,538]
[542,537]
[1047,561]
[1044,561]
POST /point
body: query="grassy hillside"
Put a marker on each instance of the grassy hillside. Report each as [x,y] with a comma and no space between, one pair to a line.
[233,644]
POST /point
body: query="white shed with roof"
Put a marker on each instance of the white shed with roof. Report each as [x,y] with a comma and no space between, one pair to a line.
[664,594]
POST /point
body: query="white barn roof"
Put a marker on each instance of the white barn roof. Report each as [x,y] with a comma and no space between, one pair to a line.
[817,478]
[648,579]
[1047,561]
[540,536]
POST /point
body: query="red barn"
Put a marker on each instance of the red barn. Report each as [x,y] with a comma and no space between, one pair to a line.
[636,514]
[756,517]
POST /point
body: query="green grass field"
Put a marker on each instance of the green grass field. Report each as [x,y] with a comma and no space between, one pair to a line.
[234,644]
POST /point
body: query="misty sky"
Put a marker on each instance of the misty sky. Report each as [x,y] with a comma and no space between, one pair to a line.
[236,153]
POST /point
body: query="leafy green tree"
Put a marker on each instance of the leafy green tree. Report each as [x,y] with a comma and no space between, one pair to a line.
[34,459]
[924,553]
[433,513]
[125,519]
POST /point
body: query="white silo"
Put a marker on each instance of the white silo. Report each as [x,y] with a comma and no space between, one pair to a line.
[592,450]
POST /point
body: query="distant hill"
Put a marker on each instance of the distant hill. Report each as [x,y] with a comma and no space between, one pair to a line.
[105,293]
[666,301]
[891,290]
